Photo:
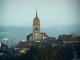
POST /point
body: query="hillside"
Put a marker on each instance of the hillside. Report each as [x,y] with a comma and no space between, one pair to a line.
[19,33]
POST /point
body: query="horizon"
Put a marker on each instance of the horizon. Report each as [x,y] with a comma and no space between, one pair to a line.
[40,26]
[53,31]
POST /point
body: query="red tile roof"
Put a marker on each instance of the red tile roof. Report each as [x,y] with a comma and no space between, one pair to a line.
[23,45]
[27,44]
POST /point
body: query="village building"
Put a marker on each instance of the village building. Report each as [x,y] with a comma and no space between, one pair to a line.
[3,47]
[36,34]
[69,38]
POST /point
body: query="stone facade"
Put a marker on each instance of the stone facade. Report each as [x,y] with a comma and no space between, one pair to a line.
[42,37]
[36,34]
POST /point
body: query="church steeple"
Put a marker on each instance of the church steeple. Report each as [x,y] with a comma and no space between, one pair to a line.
[36,28]
[36,14]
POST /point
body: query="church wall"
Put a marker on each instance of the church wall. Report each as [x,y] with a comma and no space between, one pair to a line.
[34,28]
[36,35]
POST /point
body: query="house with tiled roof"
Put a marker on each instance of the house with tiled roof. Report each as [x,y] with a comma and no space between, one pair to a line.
[24,46]
[3,47]
[69,38]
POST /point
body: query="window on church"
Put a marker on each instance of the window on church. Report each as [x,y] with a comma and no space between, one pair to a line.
[36,28]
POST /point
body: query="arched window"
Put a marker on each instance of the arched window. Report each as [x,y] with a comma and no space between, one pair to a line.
[36,28]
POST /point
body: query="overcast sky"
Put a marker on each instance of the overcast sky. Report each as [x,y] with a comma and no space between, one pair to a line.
[50,12]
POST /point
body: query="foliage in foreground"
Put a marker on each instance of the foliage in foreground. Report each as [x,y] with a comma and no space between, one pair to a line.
[46,53]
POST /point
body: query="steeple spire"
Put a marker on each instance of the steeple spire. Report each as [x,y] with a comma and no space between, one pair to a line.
[36,14]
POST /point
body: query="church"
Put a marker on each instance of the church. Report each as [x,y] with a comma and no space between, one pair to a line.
[36,35]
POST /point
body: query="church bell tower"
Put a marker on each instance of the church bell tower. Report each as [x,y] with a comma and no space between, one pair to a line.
[36,28]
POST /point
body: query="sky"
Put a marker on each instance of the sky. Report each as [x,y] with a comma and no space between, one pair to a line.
[50,12]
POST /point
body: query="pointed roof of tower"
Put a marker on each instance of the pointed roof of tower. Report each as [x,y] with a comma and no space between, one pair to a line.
[36,14]
[36,20]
